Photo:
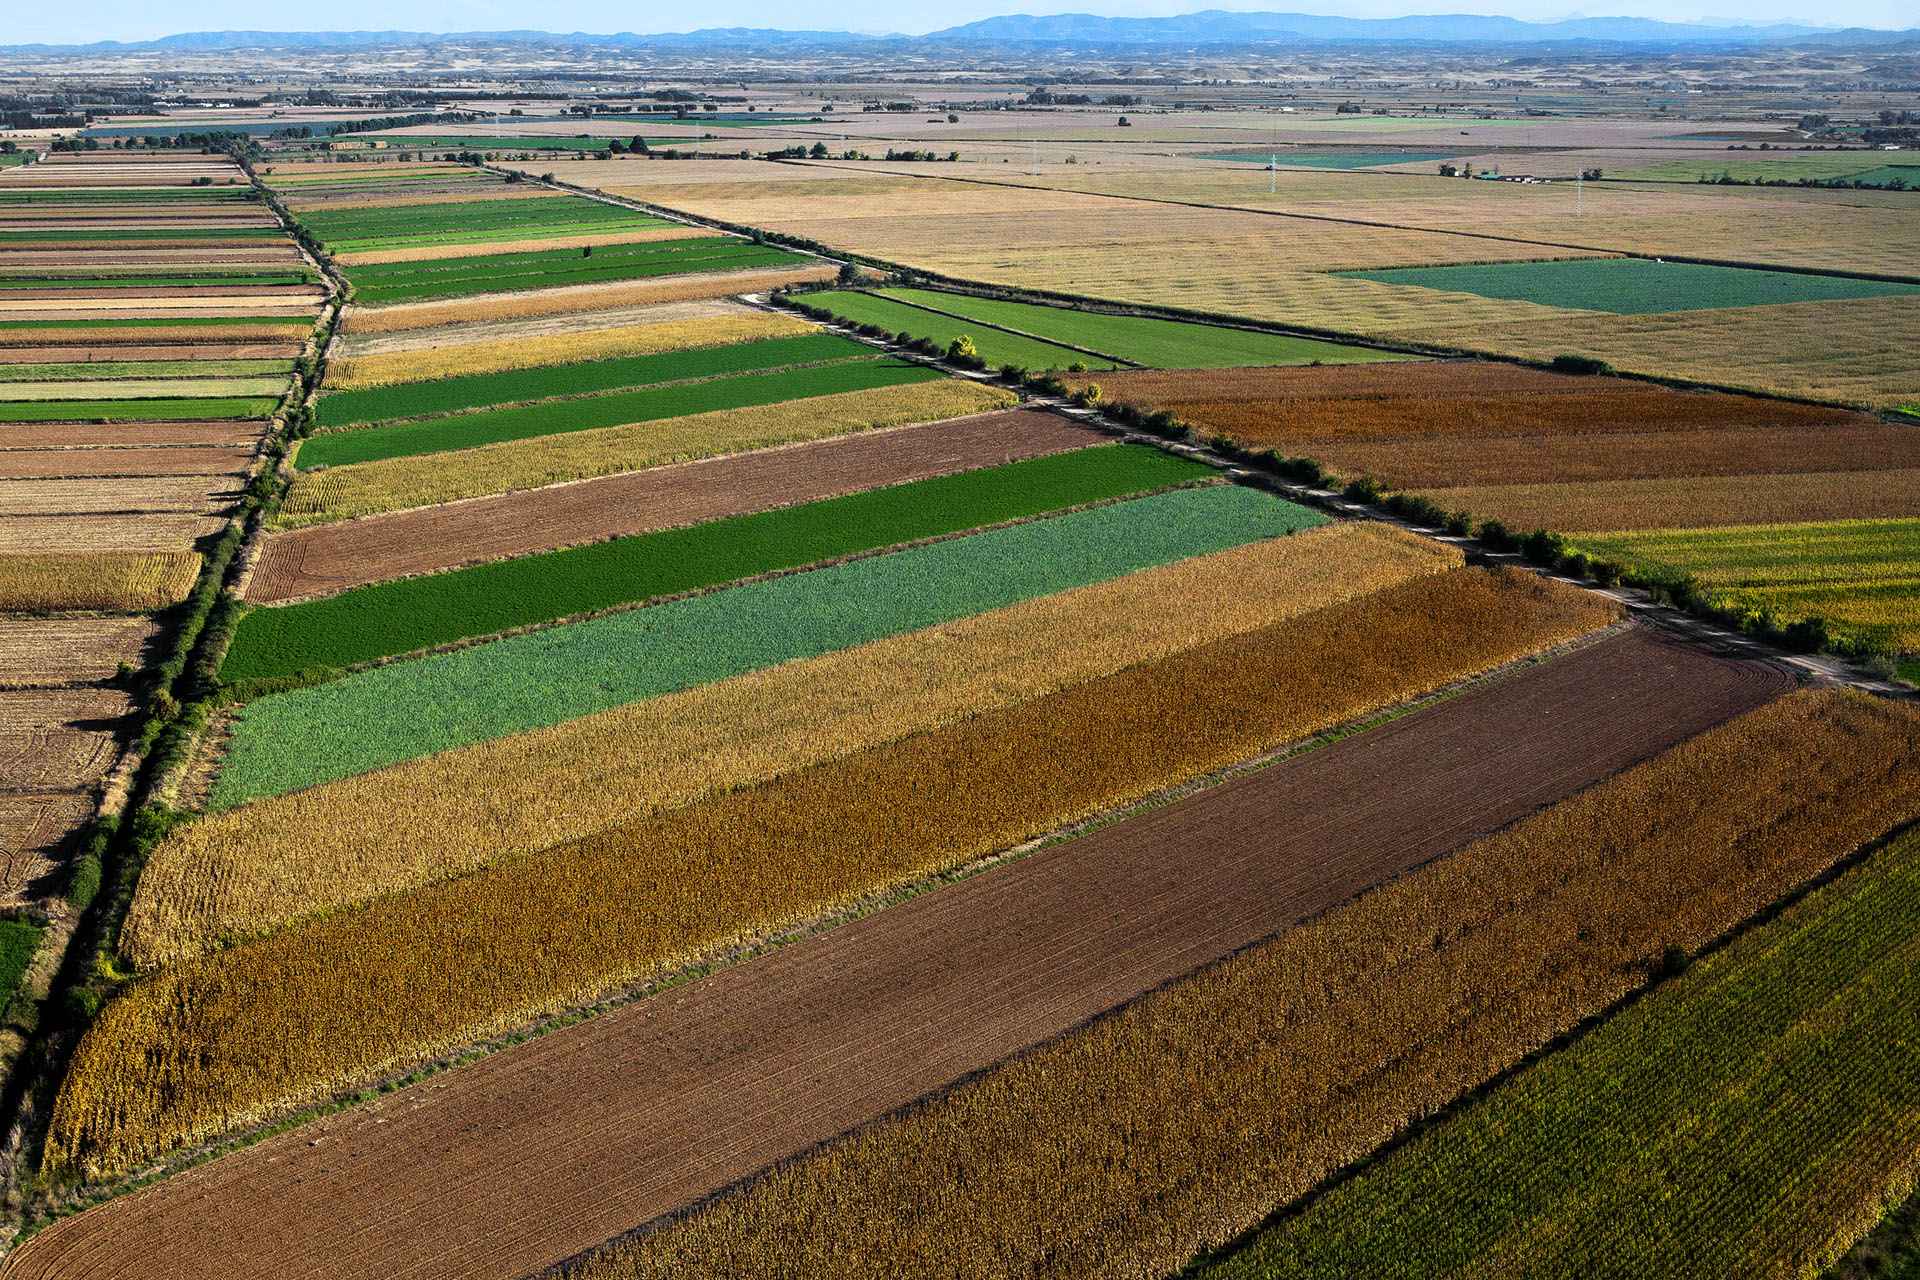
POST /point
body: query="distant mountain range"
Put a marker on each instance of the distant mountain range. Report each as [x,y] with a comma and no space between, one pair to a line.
[1213,27]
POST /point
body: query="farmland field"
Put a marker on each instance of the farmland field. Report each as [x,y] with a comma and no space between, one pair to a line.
[1578,1156]
[419,613]
[435,279]
[359,230]
[149,410]
[1330,159]
[994,346]
[615,408]
[1635,286]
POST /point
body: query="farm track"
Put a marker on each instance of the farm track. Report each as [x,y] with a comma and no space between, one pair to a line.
[324,559]
[539,1151]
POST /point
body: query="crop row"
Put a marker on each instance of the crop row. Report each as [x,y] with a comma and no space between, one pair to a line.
[344,230]
[618,408]
[400,483]
[385,368]
[402,711]
[216,1035]
[481,390]
[88,369]
[392,618]
[136,410]
[1174,344]
[236,874]
[1759,1110]
[1163,1131]
[145,389]
[992,345]
[427,270]
[575,269]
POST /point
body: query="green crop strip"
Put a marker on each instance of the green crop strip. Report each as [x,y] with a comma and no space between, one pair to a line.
[19,939]
[175,410]
[993,346]
[89,370]
[408,709]
[444,222]
[601,255]
[449,395]
[418,613]
[583,270]
[612,409]
[1634,286]
[1164,344]
[1713,1129]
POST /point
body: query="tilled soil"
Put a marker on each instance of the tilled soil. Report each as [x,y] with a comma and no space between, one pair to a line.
[24,464]
[530,1155]
[111,435]
[329,558]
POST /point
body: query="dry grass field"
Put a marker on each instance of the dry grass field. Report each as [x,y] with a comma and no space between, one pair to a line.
[1689,501]
[56,739]
[34,827]
[55,651]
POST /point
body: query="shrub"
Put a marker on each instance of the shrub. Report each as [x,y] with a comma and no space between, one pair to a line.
[83,881]
[1088,396]
[1496,536]
[1574,564]
[1605,572]
[1580,364]
[1543,548]
[1362,489]
[1459,523]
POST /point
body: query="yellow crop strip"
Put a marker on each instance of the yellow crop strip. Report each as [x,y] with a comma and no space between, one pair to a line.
[112,580]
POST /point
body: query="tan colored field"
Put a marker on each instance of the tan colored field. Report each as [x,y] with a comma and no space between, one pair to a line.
[96,580]
[428,253]
[298,201]
[286,338]
[115,494]
[17,464]
[442,359]
[504,331]
[1129,1146]
[238,873]
[55,739]
[56,651]
[33,829]
[578,298]
[216,1034]
[340,493]
[155,531]
[86,353]
[1692,501]
[144,308]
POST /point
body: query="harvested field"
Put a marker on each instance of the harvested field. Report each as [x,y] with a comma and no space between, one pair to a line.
[152,531]
[235,875]
[114,580]
[1588,1150]
[56,651]
[598,297]
[264,340]
[126,435]
[34,830]
[400,711]
[1241,1088]
[18,464]
[1691,501]
[115,494]
[1456,400]
[811,1003]
[442,359]
[582,325]
[373,488]
[52,739]
[329,558]
[286,351]
[387,619]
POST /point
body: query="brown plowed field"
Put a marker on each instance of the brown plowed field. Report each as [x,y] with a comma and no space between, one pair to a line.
[170,291]
[529,1156]
[52,651]
[20,464]
[109,435]
[58,738]
[327,558]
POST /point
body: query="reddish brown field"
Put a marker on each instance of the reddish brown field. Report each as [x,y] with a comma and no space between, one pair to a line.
[328,558]
[769,1057]
[219,460]
[165,291]
[111,435]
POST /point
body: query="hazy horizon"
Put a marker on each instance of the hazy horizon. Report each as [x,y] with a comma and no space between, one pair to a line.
[130,20]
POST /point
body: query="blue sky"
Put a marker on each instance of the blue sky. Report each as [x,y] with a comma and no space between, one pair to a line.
[144,19]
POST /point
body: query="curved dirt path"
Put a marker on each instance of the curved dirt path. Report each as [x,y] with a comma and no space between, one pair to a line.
[524,1158]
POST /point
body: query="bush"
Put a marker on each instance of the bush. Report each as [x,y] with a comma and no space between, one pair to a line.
[1605,572]
[1088,396]
[1543,548]
[1459,523]
[1580,364]
[1362,489]
[83,881]
[1496,536]
[1807,635]
[1574,565]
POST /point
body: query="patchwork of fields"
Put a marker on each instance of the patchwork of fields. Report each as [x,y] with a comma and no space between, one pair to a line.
[805,803]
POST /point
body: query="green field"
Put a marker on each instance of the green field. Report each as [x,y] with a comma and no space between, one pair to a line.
[408,709]
[1762,166]
[1634,286]
[1328,159]
[483,390]
[462,221]
[174,410]
[1163,344]
[486,275]
[92,369]
[1739,1117]
[127,389]
[1863,575]
[995,347]
[418,613]
[19,939]
[612,409]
